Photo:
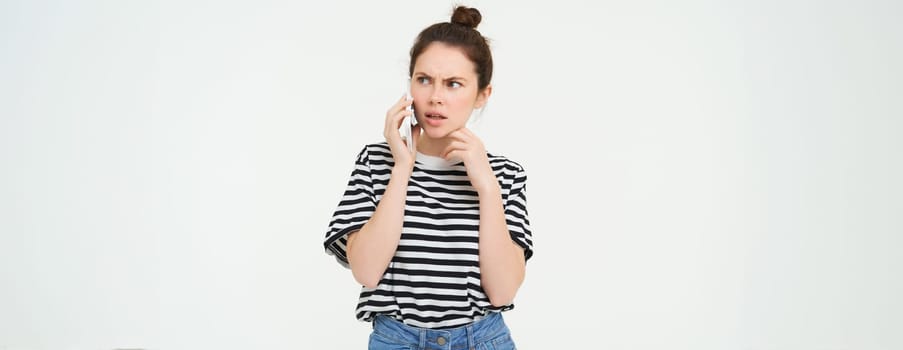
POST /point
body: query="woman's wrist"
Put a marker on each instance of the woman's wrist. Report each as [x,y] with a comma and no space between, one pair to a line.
[402,170]
[491,189]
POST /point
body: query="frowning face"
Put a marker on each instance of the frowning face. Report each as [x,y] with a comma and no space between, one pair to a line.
[445,89]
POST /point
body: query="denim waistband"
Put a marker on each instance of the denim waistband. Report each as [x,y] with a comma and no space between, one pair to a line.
[467,336]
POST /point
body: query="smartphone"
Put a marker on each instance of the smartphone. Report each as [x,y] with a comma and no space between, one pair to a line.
[409,122]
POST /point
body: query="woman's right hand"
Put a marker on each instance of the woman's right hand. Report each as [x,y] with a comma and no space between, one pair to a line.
[403,155]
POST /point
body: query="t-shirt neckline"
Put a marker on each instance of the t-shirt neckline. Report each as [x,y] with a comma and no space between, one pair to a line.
[433,161]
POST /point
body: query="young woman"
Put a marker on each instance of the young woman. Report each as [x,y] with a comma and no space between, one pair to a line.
[437,233]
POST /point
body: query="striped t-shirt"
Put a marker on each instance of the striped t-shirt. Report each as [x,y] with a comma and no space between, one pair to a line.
[433,281]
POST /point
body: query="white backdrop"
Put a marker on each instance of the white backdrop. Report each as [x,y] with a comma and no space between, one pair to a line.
[702,174]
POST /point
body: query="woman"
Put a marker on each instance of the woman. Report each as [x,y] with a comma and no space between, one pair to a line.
[437,234]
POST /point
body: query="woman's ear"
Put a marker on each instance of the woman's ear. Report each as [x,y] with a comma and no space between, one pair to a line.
[483,96]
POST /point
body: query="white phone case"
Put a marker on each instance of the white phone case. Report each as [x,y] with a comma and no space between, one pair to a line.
[410,121]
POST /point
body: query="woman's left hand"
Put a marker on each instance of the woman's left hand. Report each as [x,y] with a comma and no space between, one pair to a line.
[467,147]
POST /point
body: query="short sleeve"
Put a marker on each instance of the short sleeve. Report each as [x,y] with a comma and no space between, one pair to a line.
[354,210]
[516,214]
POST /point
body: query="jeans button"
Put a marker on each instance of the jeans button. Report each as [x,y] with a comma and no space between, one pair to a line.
[440,341]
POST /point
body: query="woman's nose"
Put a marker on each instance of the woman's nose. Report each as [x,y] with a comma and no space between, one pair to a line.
[436,95]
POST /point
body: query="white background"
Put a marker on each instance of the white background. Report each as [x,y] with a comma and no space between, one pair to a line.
[702,174]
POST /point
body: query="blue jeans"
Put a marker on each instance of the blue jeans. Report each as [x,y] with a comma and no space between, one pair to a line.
[489,333]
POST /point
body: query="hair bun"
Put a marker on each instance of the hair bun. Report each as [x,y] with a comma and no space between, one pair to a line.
[466,16]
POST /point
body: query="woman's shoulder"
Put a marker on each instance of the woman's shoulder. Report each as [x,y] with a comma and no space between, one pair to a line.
[512,175]
[497,160]
[376,147]
[378,150]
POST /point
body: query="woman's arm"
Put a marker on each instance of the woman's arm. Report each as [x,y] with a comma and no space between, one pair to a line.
[502,263]
[371,249]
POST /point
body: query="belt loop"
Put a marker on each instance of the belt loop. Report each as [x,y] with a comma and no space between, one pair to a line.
[471,344]
[422,338]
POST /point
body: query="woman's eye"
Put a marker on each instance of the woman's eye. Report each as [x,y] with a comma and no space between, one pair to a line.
[423,80]
[454,84]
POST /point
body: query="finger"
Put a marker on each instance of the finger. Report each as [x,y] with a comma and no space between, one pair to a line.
[402,103]
[395,120]
[453,155]
[458,135]
[405,100]
[399,117]
[467,132]
[466,135]
[452,147]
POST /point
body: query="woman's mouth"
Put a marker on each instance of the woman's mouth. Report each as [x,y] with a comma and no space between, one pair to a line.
[434,119]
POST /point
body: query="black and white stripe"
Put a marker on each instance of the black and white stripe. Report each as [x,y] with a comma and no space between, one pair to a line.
[433,281]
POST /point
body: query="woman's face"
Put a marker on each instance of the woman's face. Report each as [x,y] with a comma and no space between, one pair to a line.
[444,88]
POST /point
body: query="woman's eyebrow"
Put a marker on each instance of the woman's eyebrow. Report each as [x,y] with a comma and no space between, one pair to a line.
[446,79]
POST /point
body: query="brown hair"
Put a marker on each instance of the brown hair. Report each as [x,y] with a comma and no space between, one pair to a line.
[460,32]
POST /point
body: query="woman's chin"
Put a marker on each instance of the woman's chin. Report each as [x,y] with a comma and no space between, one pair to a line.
[436,133]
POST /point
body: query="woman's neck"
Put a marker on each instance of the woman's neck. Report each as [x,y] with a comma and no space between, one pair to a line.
[430,146]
